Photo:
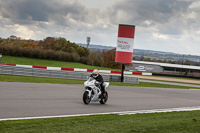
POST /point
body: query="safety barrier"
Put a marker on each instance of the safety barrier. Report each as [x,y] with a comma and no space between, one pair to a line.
[37,72]
[80,69]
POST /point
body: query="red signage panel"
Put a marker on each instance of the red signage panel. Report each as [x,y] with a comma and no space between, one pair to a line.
[125,40]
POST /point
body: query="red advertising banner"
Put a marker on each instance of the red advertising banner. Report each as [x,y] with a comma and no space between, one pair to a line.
[124,50]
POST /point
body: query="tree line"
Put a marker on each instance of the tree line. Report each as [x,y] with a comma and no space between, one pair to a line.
[53,48]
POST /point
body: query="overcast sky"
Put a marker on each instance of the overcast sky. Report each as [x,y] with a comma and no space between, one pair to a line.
[164,25]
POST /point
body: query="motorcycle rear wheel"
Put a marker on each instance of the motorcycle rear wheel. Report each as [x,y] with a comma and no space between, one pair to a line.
[86,98]
[104,99]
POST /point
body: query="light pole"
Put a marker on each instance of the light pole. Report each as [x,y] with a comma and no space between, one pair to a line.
[182,64]
[88,41]
[182,59]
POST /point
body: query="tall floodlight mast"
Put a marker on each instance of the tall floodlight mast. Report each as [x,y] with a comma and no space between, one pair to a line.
[88,41]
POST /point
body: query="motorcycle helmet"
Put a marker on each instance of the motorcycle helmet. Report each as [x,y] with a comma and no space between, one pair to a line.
[95,73]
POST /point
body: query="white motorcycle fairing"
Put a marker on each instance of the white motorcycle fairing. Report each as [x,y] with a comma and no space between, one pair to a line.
[93,91]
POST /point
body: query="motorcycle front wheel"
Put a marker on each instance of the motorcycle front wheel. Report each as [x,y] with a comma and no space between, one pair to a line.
[86,98]
[104,99]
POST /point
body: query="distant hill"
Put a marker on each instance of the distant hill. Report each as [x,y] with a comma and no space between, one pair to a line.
[96,47]
[149,53]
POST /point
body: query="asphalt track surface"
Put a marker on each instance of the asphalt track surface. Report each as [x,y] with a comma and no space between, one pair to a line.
[40,99]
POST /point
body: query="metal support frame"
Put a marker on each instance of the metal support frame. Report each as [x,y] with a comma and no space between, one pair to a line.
[122,74]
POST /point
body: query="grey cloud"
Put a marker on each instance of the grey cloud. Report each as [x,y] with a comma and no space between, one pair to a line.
[25,9]
[65,13]
[168,16]
[160,11]
[41,10]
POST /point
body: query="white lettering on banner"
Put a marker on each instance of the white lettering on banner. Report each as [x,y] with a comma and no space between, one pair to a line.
[125,44]
[144,68]
[140,68]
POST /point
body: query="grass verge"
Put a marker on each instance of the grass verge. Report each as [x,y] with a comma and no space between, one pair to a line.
[185,78]
[171,81]
[51,63]
[176,122]
[13,78]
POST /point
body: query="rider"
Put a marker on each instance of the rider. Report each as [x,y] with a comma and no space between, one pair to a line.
[95,74]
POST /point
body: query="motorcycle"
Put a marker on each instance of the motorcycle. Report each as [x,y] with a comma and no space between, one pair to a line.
[93,91]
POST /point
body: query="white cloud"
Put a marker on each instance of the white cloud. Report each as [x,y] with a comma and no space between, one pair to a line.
[21,31]
[195,4]
[160,36]
[99,4]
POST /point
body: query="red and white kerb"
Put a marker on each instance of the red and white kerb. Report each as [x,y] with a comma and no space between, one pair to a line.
[124,51]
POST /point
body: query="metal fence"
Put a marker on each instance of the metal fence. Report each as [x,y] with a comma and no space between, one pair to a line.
[23,71]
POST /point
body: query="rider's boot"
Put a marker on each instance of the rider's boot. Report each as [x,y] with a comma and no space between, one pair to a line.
[103,94]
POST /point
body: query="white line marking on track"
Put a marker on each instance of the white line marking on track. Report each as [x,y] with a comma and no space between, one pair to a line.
[119,113]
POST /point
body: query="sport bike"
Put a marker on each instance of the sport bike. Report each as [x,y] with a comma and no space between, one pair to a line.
[93,91]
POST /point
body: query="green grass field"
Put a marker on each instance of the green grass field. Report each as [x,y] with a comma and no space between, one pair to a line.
[51,63]
[174,81]
[174,122]
[178,78]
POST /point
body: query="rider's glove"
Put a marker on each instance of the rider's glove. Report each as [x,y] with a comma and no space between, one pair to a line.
[97,83]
